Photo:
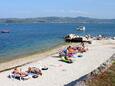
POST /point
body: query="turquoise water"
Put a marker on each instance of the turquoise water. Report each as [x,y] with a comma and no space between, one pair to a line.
[24,39]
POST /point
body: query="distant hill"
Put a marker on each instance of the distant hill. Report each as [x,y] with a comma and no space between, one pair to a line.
[56,20]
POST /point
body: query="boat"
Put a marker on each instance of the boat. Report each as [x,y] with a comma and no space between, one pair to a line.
[81,28]
[75,38]
[5,31]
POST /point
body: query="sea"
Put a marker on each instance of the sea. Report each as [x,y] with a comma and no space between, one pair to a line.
[25,39]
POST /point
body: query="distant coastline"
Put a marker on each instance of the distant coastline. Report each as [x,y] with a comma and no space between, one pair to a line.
[83,20]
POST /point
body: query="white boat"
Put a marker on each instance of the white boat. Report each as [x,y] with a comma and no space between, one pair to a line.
[81,28]
[5,31]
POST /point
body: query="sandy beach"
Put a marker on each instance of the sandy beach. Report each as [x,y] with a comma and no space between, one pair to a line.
[60,73]
[22,60]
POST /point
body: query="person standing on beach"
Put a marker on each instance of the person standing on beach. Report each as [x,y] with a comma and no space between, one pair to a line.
[82,44]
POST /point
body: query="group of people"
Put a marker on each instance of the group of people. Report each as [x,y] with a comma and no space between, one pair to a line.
[19,73]
[67,54]
[70,51]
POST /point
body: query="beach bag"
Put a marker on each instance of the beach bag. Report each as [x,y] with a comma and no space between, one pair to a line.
[35,76]
[45,68]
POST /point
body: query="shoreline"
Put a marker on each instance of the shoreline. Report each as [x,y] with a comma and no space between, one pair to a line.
[65,73]
[33,57]
[32,53]
[36,56]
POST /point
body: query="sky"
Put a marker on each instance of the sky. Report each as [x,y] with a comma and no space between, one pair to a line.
[60,8]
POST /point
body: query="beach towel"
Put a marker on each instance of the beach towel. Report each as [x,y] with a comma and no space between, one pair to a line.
[77,55]
[67,61]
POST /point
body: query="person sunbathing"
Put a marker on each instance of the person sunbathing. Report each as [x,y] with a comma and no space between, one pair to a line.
[71,50]
[19,72]
[34,70]
[82,49]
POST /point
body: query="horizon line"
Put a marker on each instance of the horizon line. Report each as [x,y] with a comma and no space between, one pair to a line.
[54,16]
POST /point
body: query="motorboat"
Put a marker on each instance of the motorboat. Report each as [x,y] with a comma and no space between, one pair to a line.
[81,28]
[76,38]
[73,38]
[5,31]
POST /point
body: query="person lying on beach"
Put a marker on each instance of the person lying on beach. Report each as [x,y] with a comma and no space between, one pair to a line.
[19,72]
[71,50]
[81,48]
[34,70]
